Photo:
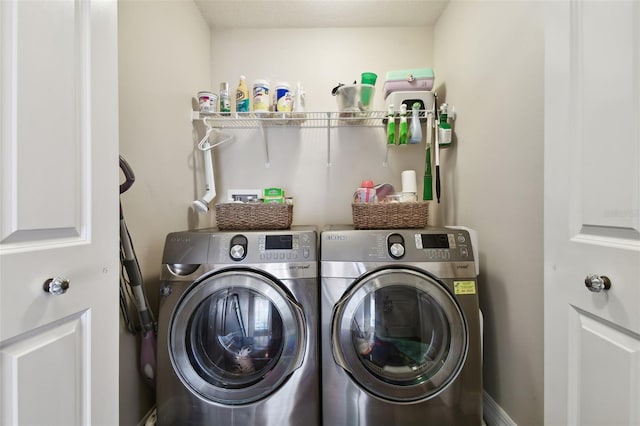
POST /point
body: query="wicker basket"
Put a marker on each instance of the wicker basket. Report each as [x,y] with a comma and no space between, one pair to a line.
[390,215]
[253,216]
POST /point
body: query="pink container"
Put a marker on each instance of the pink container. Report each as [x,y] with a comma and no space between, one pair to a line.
[366,194]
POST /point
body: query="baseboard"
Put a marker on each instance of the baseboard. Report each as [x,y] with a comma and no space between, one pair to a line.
[493,414]
[149,419]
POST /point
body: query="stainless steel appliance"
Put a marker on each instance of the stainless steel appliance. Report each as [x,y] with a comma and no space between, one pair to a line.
[237,339]
[400,328]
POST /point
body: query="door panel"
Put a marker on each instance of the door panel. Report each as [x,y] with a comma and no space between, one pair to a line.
[46,100]
[58,212]
[607,361]
[57,351]
[592,211]
[606,65]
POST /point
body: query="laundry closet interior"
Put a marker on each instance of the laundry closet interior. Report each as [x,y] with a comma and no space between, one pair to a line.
[488,63]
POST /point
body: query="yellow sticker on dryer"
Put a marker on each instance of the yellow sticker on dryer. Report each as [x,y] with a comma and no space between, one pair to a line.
[464,287]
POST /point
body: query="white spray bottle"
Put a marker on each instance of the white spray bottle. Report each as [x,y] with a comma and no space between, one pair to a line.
[415,129]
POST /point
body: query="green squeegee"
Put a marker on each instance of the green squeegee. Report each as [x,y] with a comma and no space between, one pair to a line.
[427,193]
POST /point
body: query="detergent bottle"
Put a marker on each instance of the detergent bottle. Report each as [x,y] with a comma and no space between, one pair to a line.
[242,96]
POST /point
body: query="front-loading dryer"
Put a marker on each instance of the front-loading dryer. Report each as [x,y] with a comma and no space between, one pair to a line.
[237,328]
[400,328]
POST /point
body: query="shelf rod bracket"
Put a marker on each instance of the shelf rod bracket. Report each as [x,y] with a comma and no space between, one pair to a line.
[328,139]
[265,144]
[385,162]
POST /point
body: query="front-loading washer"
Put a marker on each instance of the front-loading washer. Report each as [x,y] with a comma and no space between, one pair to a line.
[400,327]
[237,328]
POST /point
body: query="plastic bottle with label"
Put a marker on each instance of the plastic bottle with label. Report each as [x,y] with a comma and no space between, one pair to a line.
[282,99]
[444,128]
[225,102]
[260,96]
[242,96]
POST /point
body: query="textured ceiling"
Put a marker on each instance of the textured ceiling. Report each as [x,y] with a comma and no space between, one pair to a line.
[320,13]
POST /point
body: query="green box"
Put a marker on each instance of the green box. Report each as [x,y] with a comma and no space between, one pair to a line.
[279,200]
[273,192]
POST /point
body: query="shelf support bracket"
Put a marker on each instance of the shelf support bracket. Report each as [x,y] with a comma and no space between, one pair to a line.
[328,139]
[265,144]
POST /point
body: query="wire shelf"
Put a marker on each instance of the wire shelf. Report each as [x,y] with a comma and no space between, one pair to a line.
[249,120]
[328,120]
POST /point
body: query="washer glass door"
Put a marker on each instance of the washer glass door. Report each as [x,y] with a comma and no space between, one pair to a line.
[236,336]
[400,334]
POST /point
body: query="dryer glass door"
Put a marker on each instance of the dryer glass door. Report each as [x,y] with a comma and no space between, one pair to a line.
[400,334]
[236,336]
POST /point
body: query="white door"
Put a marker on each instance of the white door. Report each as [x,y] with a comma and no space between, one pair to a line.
[58,212]
[592,213]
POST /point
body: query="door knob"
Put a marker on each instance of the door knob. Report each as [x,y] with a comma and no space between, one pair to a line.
[597,283]
[56,286]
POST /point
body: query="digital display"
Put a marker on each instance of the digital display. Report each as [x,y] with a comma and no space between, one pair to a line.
[434,241]
[278,242]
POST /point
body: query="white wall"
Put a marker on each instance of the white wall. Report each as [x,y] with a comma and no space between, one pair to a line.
[489,60]
[319,58]
[164,60]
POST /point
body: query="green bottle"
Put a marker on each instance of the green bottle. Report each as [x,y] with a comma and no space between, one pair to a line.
[444,128]
[404,128]
[391,126]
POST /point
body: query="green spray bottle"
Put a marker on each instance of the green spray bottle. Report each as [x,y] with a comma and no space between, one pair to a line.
[391,126]
[404,128]
[444,128]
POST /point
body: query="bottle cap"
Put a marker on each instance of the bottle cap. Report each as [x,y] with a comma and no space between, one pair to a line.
[366,184]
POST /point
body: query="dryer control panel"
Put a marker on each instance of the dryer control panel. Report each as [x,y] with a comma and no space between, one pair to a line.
[445,252]
[403,245]
[284,246]
[429,246]
[444,246]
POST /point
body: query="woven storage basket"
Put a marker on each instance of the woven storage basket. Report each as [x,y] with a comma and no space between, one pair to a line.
[248,216]
[390,215]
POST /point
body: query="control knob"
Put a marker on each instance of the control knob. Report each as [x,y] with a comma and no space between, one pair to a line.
[396,250]
[237,252]
[395,246]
